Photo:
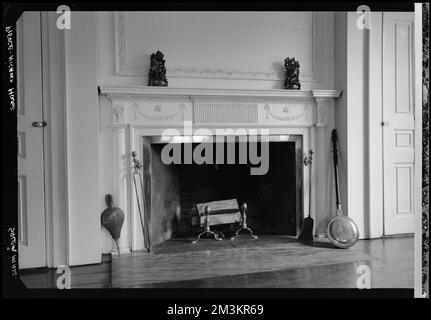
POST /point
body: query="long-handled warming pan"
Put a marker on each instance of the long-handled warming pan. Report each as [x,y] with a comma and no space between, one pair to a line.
[341,230]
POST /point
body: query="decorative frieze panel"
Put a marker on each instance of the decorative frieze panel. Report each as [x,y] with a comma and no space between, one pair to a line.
[159,112]
[138,111]
[162,107]
[225,113]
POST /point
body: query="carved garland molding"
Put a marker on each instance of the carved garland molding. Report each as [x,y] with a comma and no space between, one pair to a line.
[124,97]
[286,110]
[122,67]
[161,116]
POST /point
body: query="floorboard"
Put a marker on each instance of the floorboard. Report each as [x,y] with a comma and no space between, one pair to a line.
[245,264]
[87,276]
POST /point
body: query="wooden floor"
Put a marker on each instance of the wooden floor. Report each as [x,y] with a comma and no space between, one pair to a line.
[273,264]
[88,276]
[249,265]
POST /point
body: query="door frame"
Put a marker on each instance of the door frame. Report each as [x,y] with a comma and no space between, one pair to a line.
[54,140]
[375,226]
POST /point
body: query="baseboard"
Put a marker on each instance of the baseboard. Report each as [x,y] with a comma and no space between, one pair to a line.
[33,270]
[401,235]
[122,251]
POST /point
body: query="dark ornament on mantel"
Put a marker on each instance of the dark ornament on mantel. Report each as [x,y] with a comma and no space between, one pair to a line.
[292,74]
[113,219]
[157,75]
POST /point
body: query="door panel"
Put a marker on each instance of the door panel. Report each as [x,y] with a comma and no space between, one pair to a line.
[31,213]
[398,122]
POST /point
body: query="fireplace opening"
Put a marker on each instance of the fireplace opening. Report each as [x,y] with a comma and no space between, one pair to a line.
[274,199]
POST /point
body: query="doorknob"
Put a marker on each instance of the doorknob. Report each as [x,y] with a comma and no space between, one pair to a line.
[384,123]
[39,124]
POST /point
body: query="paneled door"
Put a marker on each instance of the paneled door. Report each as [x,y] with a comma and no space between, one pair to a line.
[398,122]
[31,213]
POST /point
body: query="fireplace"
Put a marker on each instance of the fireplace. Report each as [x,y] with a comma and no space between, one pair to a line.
[274,199]
[136,119]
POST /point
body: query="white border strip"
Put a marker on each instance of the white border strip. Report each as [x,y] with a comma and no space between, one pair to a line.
[418,151]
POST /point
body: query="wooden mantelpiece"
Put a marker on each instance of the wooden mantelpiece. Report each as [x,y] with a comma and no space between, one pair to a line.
[129,114]
[164,106]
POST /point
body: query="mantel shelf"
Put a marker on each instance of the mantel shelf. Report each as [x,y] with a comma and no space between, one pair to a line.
[165,106]
[227,93]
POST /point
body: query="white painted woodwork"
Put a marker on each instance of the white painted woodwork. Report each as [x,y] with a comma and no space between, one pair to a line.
[353,162]
[399,120]
[55,141]
[375,132]
[120,183]
[31,211]
[308,113]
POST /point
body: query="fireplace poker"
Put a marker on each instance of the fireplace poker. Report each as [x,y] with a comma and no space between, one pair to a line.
[137,172]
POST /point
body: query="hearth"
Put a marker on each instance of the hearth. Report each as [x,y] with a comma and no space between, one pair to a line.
[274,199]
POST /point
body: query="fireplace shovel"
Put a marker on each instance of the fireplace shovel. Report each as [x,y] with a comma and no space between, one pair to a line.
[307,226]
[341,230]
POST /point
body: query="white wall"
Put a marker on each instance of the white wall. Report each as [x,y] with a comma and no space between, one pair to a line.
[350,72]
[357,53]
[252,45]
[340,82]
[82,118]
